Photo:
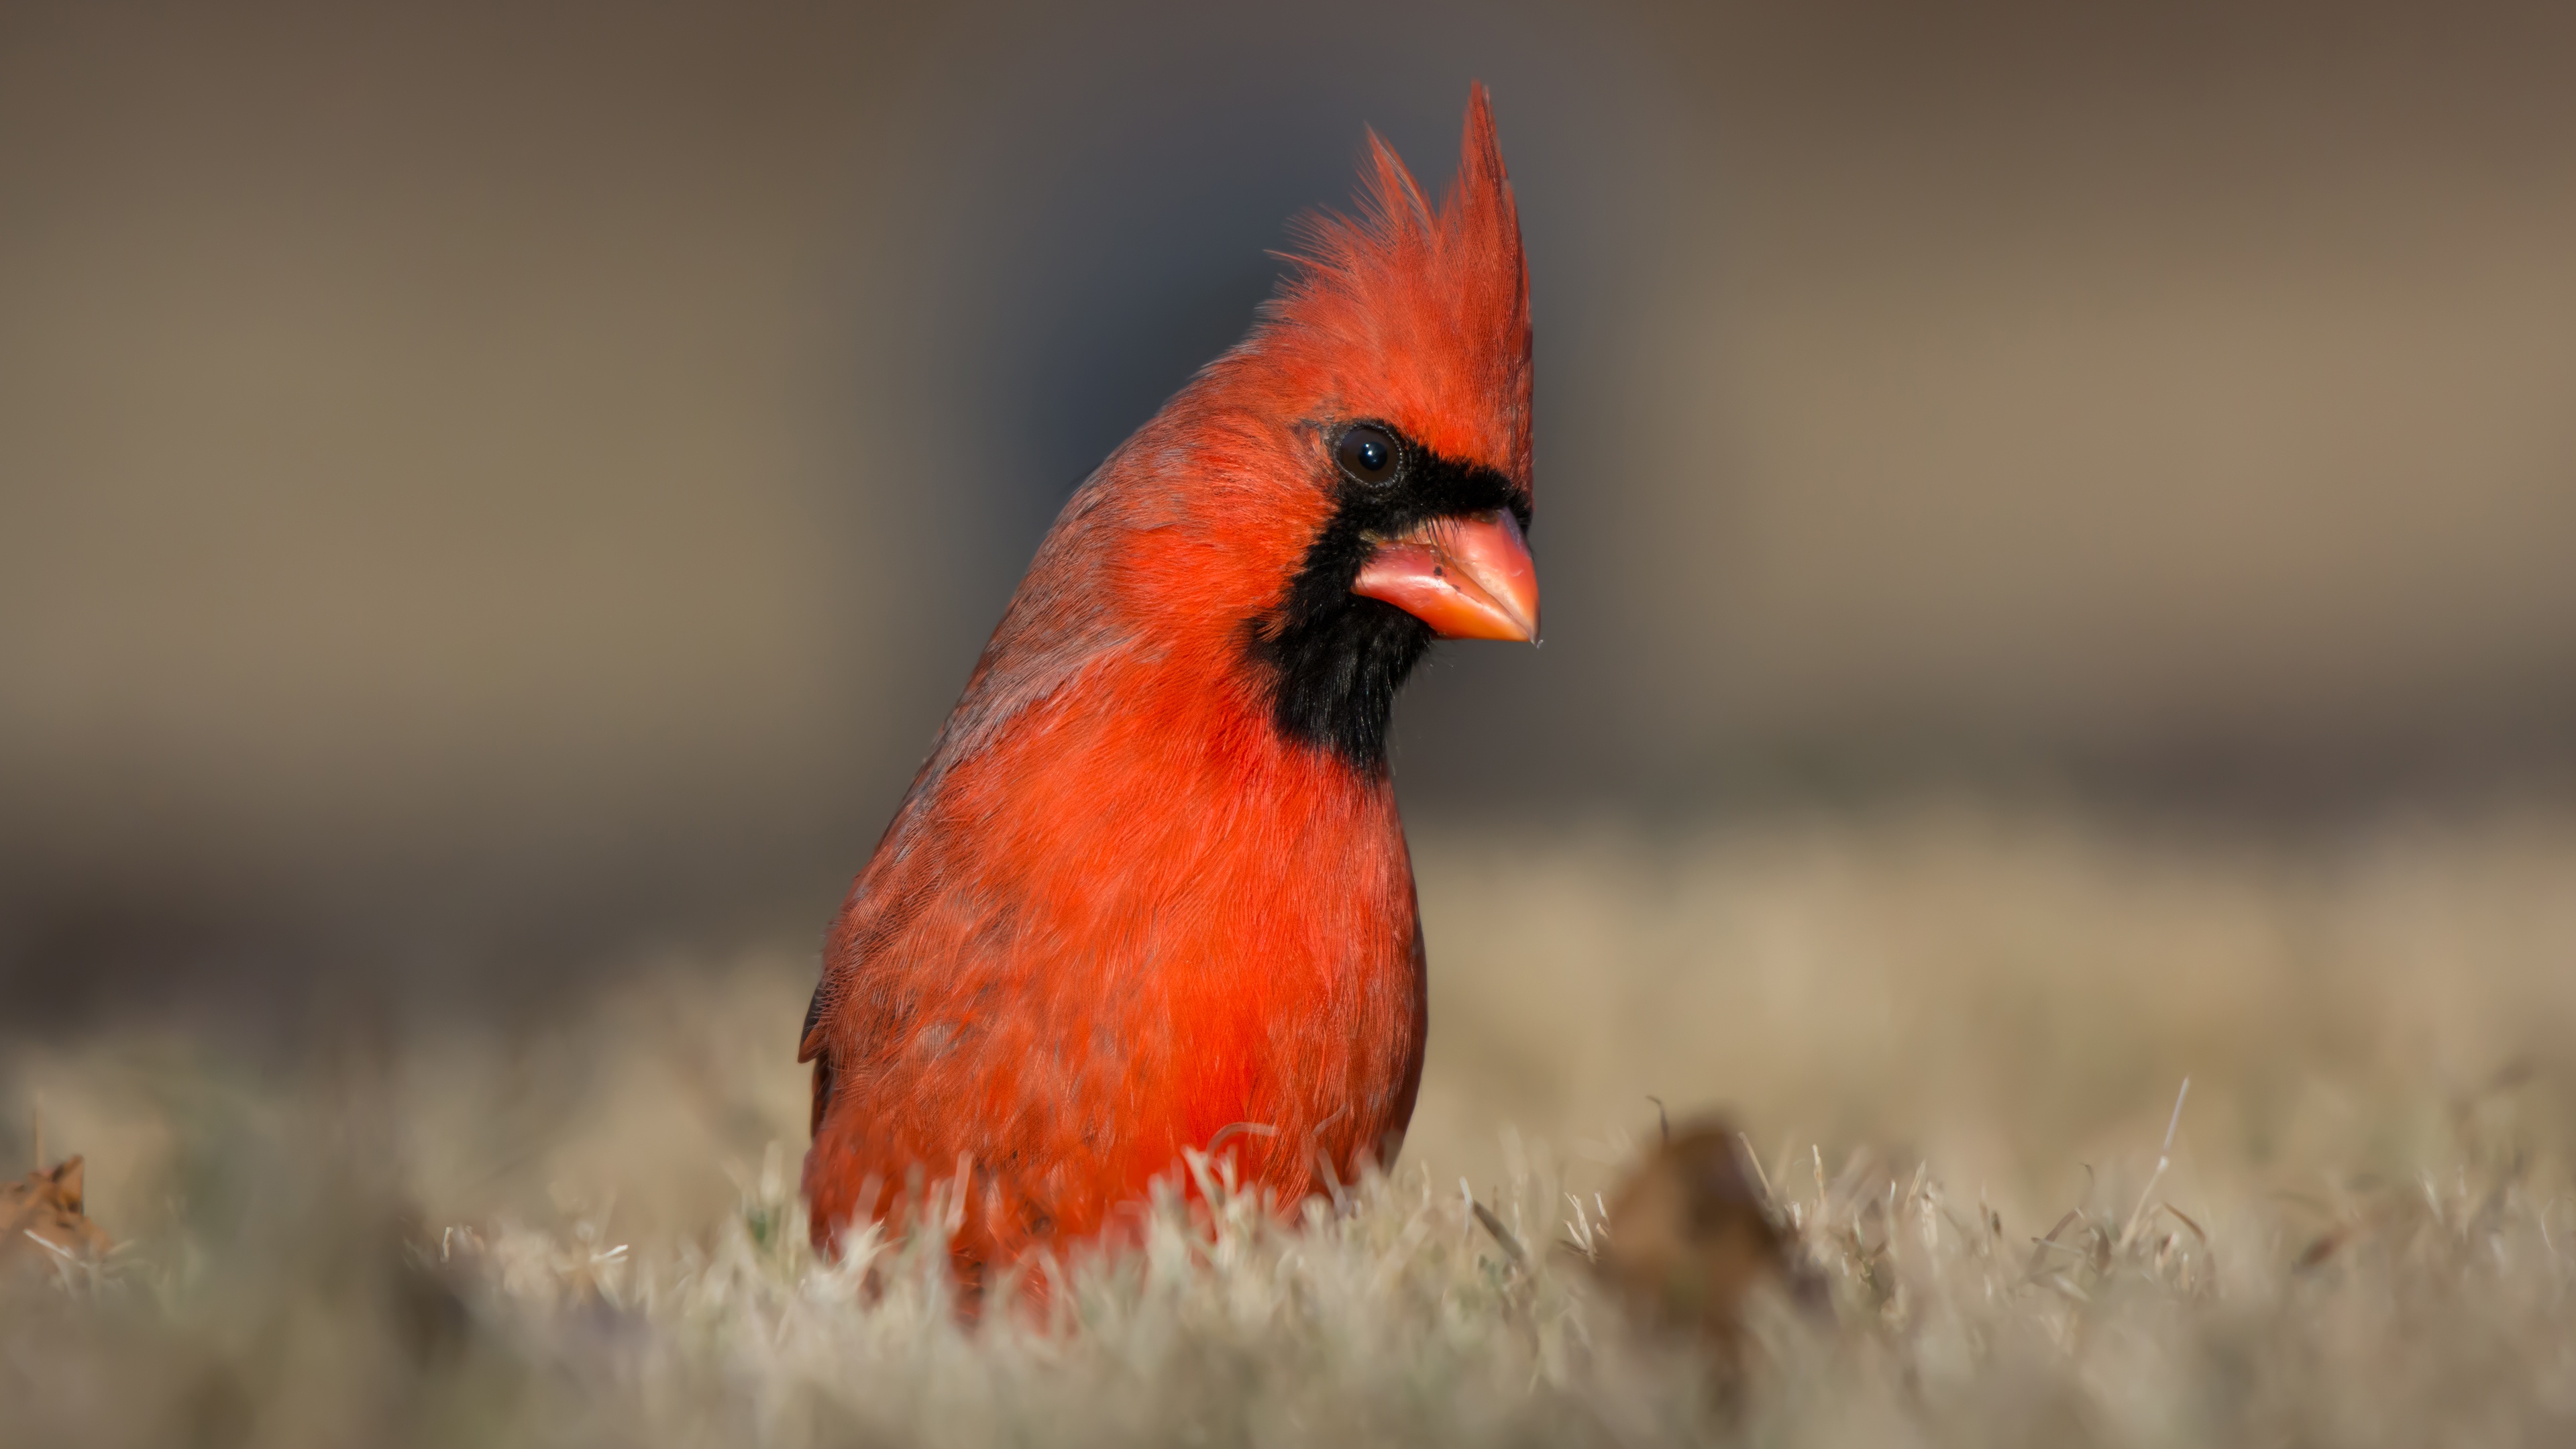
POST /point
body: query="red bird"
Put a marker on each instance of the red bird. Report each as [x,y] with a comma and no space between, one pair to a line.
[1150,893]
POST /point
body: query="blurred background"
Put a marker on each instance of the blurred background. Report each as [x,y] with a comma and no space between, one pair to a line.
[487,491]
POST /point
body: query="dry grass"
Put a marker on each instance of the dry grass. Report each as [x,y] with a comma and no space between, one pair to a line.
[1956,1034]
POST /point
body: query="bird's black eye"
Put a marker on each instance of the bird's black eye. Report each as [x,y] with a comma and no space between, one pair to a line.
[1369,455]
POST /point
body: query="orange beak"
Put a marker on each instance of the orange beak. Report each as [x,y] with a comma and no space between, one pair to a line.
[1468,578]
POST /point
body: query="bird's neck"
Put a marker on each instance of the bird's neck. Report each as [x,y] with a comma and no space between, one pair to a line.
[1329,681]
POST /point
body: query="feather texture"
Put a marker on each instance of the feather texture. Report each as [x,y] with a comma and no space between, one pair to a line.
[1121,912]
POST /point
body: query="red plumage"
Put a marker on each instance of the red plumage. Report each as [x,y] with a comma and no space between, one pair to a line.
[1150,892]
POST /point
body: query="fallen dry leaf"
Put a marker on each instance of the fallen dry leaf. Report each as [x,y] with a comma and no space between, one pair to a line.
[43,1210]
[1690,1235]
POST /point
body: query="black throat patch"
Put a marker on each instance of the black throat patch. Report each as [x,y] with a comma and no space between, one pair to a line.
[1333,659]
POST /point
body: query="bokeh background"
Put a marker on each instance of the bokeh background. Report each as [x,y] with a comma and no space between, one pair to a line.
[487,491]
[2055,523]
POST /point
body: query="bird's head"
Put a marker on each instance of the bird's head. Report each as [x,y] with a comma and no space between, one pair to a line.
[1353,479]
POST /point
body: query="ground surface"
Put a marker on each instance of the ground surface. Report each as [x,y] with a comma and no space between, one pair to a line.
[1950,1033]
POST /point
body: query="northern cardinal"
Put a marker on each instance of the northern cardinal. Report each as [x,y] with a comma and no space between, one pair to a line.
[1149,893]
